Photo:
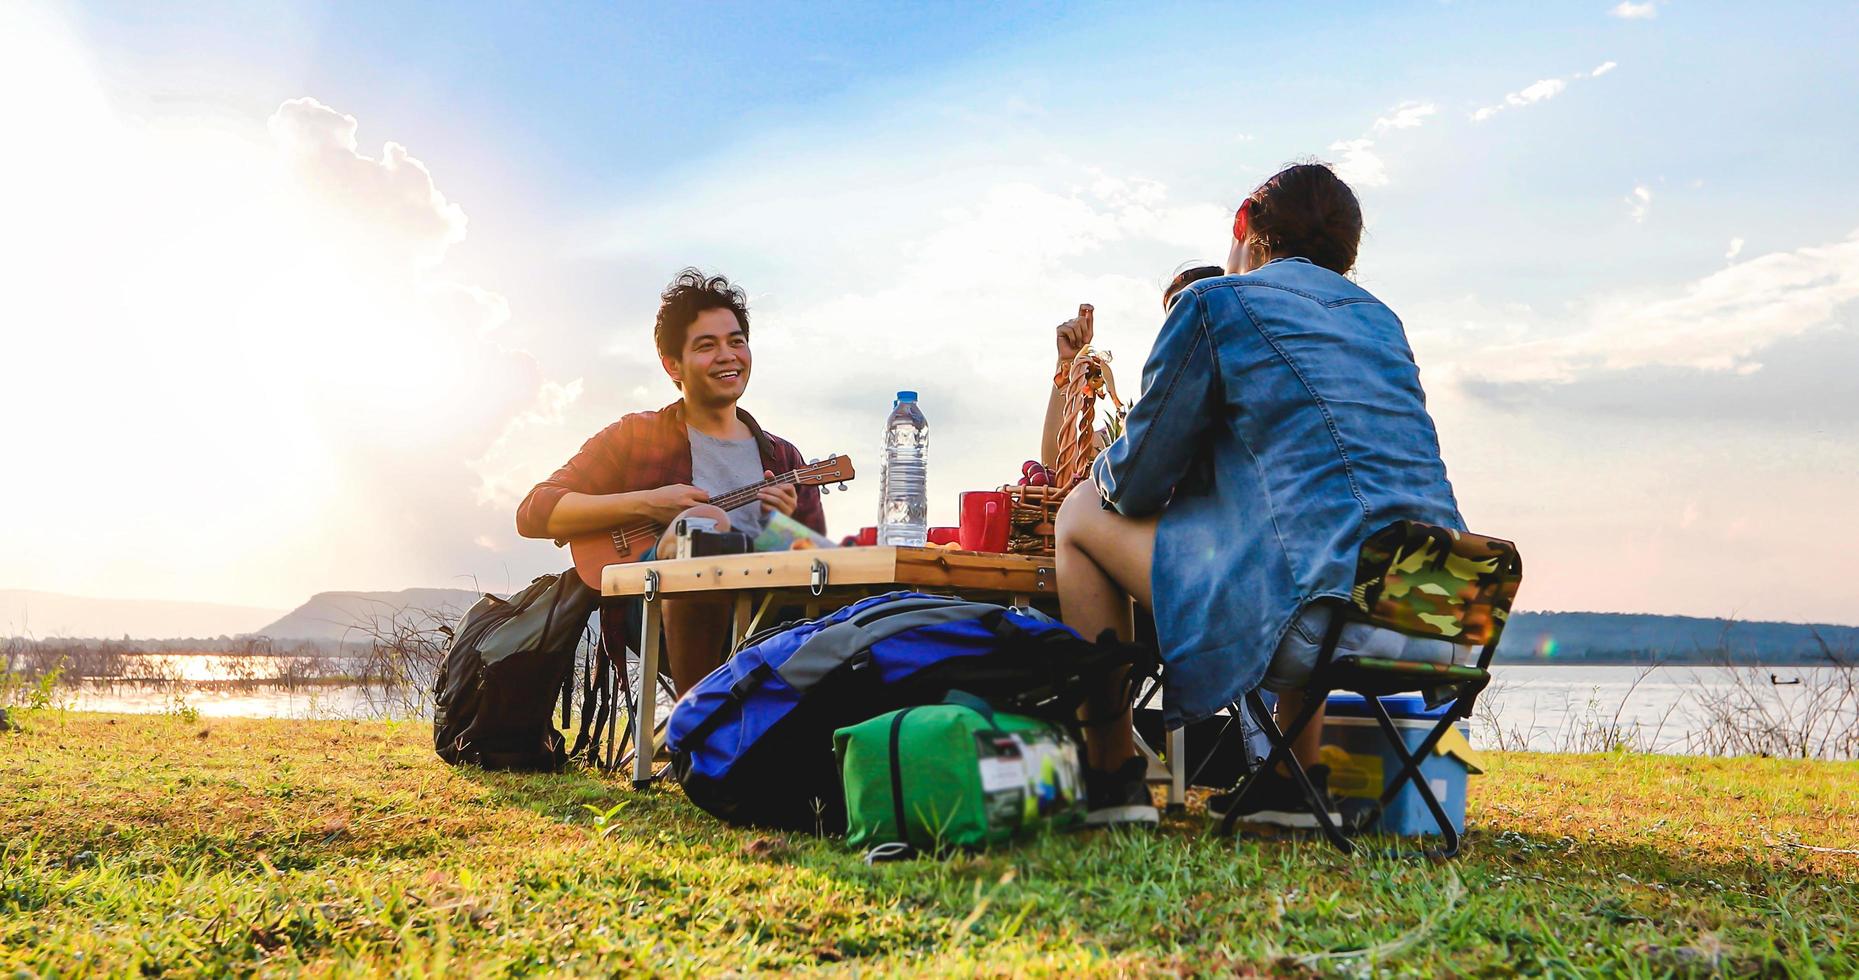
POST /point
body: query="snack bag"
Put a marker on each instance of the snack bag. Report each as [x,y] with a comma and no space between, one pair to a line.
[783,533]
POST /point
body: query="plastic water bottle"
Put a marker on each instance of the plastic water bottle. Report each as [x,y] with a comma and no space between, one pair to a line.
[903,510]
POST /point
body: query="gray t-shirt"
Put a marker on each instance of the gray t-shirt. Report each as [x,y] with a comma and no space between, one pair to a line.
[721,465]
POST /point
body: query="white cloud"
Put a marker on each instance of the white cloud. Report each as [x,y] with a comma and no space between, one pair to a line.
[1357,160]
[1547,88]
[1603,68]
[393,193]
[1541,90]
[1358,163]
[1735,249]
[509,466]
[1639,203]
[1407,115]
[1721,322]
[1627,10]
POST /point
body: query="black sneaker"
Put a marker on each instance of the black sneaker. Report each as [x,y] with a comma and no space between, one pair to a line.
[1278,801]
[1120,797]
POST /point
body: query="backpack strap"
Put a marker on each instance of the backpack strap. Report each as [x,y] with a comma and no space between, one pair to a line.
[898,812]
[739,692]
[828,648]
[963,699]
[593,699]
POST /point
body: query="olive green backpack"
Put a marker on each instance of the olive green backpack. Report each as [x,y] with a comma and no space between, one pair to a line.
[955,775]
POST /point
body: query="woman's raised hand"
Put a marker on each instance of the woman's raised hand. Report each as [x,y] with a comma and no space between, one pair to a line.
[1075,333]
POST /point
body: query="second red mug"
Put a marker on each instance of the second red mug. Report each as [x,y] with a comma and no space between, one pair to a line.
[985,521]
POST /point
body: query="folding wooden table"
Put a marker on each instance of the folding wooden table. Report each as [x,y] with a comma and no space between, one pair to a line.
[822,580]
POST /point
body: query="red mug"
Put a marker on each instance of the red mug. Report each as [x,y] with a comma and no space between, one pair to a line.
[867,536]
[984,521]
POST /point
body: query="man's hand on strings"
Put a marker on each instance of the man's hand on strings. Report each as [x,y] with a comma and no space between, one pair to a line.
[666,503]
[782,496]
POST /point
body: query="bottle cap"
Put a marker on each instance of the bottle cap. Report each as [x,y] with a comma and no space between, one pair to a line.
[906,396]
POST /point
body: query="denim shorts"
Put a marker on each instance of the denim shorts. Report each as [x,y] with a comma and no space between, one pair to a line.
[1297,652]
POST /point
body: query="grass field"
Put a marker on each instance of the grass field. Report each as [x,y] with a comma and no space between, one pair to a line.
[151,844]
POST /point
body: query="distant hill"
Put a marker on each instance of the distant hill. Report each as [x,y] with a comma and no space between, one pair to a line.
[338,616]
[27,612]
[1581,637]
[334,617]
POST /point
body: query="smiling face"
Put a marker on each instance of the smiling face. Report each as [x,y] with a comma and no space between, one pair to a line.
[713,367]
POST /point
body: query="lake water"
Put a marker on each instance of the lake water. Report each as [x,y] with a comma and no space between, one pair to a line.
[239,687]
[1668,709]
[1543,708]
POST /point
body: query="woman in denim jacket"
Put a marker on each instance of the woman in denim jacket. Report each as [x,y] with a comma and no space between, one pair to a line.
[1281,423]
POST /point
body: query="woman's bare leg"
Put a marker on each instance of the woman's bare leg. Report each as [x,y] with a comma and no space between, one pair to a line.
[1103,561]
[1310,740]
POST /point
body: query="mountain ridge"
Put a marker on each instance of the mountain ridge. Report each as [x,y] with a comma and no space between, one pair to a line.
[351,615]
[331,616]
[338,616]
[1552,637]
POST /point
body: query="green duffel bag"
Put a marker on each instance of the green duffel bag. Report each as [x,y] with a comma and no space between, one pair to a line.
[956,774]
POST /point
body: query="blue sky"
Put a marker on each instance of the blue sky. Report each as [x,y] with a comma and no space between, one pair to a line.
[1621,237]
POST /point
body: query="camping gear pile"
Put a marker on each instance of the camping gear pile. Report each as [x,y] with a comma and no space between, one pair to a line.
[916,721]
[754,743]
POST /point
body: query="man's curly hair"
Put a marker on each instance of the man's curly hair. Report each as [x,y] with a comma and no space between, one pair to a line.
[689,294]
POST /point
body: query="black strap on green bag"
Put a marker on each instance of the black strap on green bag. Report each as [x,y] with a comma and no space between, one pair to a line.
[897,795]
[899,850]
[875,750]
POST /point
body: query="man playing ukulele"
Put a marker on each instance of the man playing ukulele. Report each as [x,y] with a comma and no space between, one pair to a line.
[660,466]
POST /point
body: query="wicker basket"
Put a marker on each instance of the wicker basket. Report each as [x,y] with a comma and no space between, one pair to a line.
[1033,519]
[1085,379]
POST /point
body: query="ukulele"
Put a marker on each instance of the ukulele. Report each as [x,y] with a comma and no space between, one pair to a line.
[624,544]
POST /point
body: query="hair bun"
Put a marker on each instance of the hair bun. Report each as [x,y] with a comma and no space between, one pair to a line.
[1306,211]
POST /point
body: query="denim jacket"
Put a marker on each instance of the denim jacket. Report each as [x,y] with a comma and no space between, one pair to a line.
[1281,423]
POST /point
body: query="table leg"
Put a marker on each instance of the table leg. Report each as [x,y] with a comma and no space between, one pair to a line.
[739,621]
[1177,769]
[1173,760]
[645,744]
[761,610]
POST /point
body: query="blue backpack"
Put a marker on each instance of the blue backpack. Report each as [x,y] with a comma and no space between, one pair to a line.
[753,742]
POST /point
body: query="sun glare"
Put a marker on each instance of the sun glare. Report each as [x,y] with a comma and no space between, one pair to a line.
[196,299]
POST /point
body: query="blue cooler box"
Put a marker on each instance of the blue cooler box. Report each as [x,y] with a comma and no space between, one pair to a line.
[1362,763]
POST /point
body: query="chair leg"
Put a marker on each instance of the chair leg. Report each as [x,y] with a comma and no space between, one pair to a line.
[1410,772]
[1281,752]
[1281,748]
[1220,740]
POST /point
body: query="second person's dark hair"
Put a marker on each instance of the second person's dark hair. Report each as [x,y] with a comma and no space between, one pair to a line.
[689,294]
[1187,275]
[1306,211]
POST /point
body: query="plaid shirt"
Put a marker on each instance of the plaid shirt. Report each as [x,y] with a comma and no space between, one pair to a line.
[645,451]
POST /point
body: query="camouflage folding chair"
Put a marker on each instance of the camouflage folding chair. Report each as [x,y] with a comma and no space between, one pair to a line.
[1423,581]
